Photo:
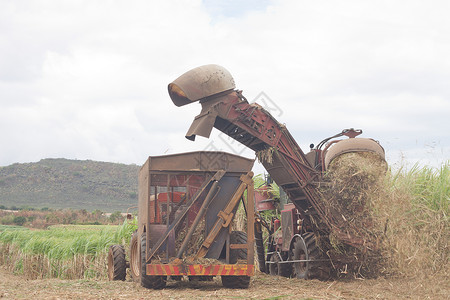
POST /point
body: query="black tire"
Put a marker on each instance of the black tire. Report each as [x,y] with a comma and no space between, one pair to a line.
[135,259]
[201,278]
[305,248]
[117,264]
[148,281]
[238,237]
[273,266]
[285,269]
[279,269]
[176,278]
[301,269]
[237,282]
[260,251]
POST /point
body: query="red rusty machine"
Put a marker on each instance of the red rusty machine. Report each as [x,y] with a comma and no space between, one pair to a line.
[187,204]
[294,250]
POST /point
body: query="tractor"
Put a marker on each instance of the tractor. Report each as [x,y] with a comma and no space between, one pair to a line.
[297,246]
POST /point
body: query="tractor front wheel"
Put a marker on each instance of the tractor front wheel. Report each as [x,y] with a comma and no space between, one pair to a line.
[135,259]
[148,281]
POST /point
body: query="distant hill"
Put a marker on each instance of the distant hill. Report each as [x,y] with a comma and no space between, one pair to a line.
[64,183]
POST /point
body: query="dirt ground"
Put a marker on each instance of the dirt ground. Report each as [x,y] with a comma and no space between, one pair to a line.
[262,287]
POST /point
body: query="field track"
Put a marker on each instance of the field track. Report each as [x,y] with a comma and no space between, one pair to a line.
[262,287]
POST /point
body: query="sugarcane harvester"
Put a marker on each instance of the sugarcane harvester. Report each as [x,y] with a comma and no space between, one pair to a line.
[305,219]
[186,210]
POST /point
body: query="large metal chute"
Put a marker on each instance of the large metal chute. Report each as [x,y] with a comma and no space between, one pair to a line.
[203,123]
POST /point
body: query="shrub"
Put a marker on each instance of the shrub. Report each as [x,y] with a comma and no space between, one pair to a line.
[19,220]
[116,217]
[7,220]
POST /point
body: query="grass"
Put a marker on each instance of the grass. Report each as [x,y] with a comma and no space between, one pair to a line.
[11,227]
[73,251]
[429,187]
[416,208]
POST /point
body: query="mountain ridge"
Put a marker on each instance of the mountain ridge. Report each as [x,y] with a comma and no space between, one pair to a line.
[60,183]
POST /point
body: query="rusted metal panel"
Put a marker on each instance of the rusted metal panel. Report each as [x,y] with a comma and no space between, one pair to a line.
[264,199]
[156,231]
[200,270]
[143,198]
[287,221]
[228,186]
[225,216]
[198,161]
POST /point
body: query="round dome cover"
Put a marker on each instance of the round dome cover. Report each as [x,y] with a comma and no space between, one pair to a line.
[199,83]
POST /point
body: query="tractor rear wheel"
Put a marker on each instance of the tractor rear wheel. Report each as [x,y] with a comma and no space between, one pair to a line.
[237,282]
[135,260]
[305,248]
[285,269]
[277,268]
[117,264]
[148,281]
[273,266]
[300,252]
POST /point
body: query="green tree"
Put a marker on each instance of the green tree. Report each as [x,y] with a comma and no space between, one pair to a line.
[19,220]
[115,217]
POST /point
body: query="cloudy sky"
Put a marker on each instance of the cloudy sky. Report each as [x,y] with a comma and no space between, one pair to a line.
[88,79]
